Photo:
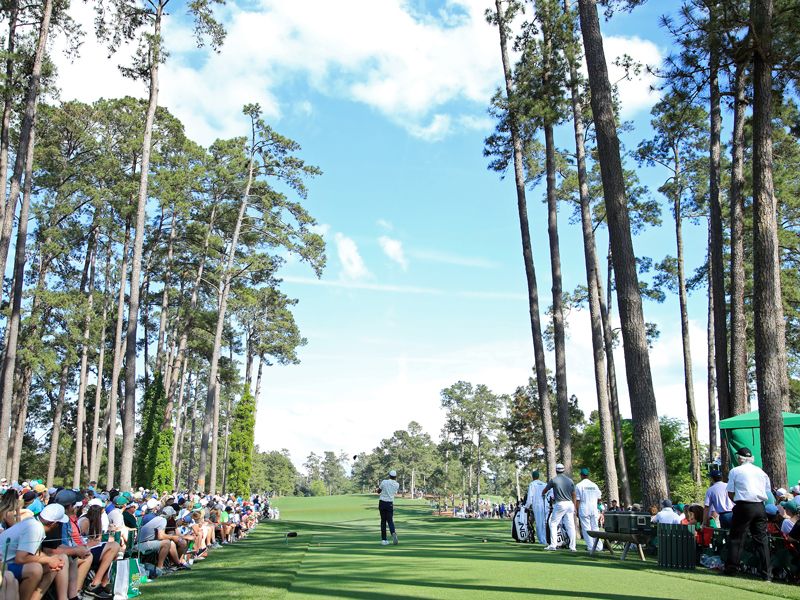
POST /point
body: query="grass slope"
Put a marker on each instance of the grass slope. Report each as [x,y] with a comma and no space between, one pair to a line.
[337,554]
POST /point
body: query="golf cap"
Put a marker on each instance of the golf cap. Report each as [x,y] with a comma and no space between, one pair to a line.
[781,491]
[771,510]
[715,474]
[29,496]
[559,468]
[152,504]
[666,504]
[392,473]
[39,488]
[535,474]
[745,452]
[120,500]
[96,502]
[54,513]
[585,472]
[168,511]
[791,506]
[68,498]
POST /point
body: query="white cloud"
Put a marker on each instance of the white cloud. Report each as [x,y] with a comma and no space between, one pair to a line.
[394,250]
[409,66]
[635,93]
[384,224]
[353,267]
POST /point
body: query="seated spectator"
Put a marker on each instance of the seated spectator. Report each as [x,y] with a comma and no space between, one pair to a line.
[791,511]
[103,553]
[666,516]
[11,511]
[22,541]
[774,520]
[76,558]
[153,539]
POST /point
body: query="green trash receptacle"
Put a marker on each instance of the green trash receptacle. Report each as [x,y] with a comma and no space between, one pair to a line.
[677,547]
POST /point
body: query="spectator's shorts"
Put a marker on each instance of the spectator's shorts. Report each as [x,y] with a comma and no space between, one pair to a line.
[149,547]
[15,569]
[97,552]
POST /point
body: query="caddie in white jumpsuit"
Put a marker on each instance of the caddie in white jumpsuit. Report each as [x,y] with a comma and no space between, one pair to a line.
[587,495]
[537,505]
[563,508]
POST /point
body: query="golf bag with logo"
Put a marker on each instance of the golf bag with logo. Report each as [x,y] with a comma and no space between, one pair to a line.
[520,530]
[562,539]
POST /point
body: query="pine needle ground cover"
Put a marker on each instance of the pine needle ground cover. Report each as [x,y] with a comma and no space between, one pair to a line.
[337,554]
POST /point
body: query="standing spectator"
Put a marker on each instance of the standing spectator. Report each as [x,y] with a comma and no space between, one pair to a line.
[717,501]
[563,508]
[587,497]
[748,487]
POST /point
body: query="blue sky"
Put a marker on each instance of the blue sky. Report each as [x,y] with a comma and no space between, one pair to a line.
[425,282]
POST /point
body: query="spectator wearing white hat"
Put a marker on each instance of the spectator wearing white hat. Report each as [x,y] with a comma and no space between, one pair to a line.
[21,543]
[563,507]
[387,490]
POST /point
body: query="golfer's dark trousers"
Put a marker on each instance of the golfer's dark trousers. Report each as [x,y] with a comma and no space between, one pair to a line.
[387,517]
[752,517]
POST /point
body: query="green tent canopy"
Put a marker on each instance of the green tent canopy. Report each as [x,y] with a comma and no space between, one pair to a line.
[744,431]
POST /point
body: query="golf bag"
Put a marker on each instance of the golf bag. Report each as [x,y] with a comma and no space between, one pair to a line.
[519,525]
[562,539]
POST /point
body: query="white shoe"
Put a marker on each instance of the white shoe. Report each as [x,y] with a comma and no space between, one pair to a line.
[550,548]
[384,542]
[394,539]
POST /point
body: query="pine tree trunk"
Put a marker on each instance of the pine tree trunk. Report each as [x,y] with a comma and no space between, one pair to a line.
[58,411]
[717,249]
[652,467]
[8,105]
[189,317]
[590,258]
[688,378]
[162,322]
[713,443]
[119,350]
[258,379]
[94,469]
[180,430]
[527,254]
[19,430]
[212,484]
[212,401]
[190,481]
[87,322]
[179,411]
[770,337]
[616,417]
[23,163]
[225,454]
[129,411]
[9,397]
[738,374]
[559,338]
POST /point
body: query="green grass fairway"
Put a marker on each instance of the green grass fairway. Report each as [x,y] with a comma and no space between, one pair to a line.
[337,554]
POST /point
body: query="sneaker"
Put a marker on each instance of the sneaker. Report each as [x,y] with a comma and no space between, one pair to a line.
[550,548]
[184,567]
[158,572]
[97,591]
[394,539]
[384,542]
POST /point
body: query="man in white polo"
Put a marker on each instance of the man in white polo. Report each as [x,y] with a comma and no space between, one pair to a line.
[563,508]
[387,489]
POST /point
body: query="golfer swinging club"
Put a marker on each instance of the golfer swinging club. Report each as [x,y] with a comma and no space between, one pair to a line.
[387,489]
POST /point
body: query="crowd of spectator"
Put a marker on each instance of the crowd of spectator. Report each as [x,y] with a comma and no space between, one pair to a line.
[63,543]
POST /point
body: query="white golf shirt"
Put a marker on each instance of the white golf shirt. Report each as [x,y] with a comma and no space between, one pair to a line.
[388,488]
[587,492]
[748,483]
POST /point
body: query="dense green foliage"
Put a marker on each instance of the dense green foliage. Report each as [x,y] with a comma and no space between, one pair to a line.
[240,459]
